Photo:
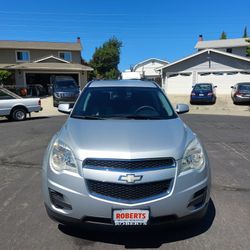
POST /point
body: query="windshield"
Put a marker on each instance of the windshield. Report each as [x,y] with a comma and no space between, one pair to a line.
[123,103]
[205,87]
[245,87]
[65,84]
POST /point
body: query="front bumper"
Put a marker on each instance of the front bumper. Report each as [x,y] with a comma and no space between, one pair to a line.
[106,223]
[204,99]
[171,207]
[65,99]
[241,99]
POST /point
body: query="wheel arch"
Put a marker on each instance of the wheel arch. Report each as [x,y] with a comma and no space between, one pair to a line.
[19,106]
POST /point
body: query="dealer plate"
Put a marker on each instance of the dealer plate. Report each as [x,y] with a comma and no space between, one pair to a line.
[130,217]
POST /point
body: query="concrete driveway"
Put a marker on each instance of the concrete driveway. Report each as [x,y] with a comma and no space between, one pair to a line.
[223,106]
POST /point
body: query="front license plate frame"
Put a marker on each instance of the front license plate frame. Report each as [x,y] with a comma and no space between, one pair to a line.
[130,217]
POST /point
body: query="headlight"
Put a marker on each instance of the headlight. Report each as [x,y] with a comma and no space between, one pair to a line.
[62,157]
[193,157]
[57,95]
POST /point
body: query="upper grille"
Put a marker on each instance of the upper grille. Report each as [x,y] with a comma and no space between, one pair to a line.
[128,192]
[129,164]
[68,94]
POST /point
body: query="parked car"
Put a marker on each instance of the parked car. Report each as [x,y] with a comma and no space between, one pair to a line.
[203,93]
[65,89]
[241,93]
[36,90]
[16,108]
[125,158]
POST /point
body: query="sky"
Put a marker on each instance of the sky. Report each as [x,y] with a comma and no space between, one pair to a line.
[162,29]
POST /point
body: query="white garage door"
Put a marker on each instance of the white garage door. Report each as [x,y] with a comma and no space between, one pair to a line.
[223,80]
[179,84]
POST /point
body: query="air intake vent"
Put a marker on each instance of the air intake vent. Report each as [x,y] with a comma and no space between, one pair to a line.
[58,201]
[198,199]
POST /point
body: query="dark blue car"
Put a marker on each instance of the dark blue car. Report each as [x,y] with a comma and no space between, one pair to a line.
[65,90]
[203,93]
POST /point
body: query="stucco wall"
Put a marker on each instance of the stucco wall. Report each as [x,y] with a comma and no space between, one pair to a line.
[83,79]
[201,63]
[19,78]
[240,51]
[9,55]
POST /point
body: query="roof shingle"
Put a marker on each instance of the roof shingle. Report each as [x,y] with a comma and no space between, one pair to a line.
[223,43]
[4,44]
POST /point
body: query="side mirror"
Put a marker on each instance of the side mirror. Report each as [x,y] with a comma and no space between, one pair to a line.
[65,108]
[215,86]
[181,108]
[232,87]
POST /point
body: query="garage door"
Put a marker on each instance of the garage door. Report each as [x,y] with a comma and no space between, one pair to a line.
[224,80]
[179,84]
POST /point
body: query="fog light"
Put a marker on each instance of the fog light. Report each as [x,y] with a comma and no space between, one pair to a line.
[198,199]
[57,199]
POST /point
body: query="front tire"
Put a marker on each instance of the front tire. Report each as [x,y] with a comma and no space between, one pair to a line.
[18,114]
[55,103]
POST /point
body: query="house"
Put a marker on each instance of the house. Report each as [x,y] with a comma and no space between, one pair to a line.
[35,62]
[207,65]
[235,46]
[146,70]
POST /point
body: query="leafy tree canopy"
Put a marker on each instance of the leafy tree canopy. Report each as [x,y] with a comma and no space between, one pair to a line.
[223,35]
[105,60]
[4,76]
[245,35]
[248,47]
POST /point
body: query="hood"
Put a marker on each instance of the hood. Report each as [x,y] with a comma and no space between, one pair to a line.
[125,139]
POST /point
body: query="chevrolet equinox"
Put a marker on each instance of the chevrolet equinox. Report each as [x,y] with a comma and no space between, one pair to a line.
[125,158]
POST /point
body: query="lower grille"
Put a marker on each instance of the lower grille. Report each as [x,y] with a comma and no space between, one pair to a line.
[129,193]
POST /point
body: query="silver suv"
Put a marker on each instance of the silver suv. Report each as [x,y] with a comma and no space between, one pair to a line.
[124,157]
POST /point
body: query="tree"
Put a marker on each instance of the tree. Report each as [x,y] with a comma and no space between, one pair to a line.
[105,60]
[84,62]
[248,47]
[4,76]
[245,35]
[223,35]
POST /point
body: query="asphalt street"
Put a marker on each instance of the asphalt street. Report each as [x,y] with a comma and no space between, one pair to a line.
[24,223]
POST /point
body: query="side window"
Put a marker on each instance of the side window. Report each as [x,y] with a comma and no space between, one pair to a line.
[4,96]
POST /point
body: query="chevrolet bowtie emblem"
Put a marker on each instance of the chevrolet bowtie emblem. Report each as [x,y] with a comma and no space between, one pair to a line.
[130,178]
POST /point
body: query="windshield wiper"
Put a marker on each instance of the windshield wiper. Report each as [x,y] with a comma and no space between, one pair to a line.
[144,117]
[136,117]
[88,117]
